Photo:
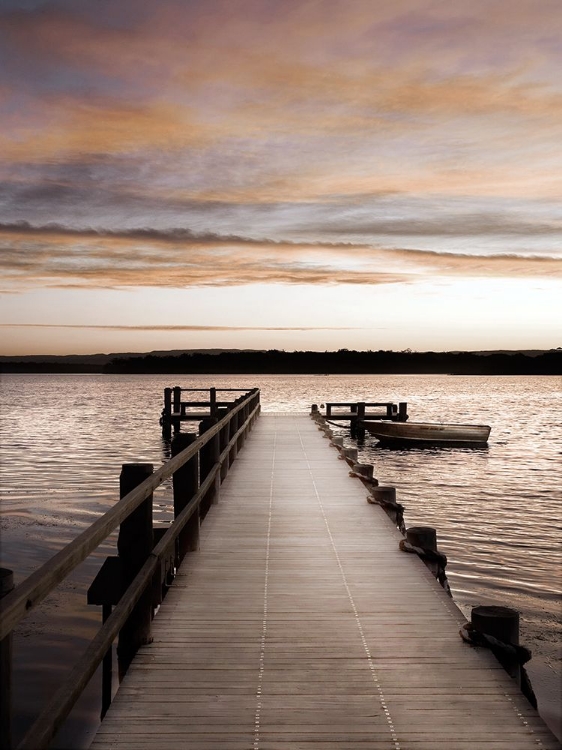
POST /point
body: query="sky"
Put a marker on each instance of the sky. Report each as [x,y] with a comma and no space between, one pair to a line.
[290,174]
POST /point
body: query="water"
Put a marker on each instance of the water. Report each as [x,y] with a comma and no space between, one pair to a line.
[497,511]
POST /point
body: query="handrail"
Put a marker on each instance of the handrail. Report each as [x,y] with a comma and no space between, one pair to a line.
[45,579]
[19,603]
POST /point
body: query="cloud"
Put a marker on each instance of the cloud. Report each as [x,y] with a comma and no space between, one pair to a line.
[144,328]
[60,257]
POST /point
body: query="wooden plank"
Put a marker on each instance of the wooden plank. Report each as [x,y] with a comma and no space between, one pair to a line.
[300,624]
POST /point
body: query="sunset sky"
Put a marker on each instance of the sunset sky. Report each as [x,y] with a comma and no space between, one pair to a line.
[295,174]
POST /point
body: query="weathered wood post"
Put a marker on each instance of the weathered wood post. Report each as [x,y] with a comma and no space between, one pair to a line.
[212,402]
[389,411]
[223,441]
[422,536]
[402,412]
[107,668]
[134,545]
[314,409]
[166,414]
[360,429]
[501,623]
[185,485]
[239,423]
[353,420]
[233,427]
[6,585]
[177,408]
[209,456]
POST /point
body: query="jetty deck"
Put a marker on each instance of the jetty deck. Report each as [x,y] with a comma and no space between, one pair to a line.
[300,624]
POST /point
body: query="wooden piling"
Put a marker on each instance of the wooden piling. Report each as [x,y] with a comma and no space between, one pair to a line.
[6,585]
[501,623]
[185,485]
[134,545]
[383,493]
[422,536]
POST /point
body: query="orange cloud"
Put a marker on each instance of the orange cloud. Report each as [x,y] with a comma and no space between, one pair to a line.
[138,259]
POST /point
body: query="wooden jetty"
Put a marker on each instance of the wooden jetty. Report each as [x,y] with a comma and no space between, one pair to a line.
[357,412]
[295,621]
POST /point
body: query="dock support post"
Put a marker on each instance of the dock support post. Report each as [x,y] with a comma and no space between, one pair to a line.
[209,456]
[185,485]
[402,411]
[6,585]
[134,545]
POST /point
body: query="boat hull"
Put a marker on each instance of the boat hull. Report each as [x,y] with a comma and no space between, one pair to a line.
[427,434]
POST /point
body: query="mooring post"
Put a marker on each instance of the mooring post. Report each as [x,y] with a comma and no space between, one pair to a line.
[402,411]
[185,485]
[501,623]
[6,585]
[134,545]
[209,455]
[383,494]
[314,409]
[422,536]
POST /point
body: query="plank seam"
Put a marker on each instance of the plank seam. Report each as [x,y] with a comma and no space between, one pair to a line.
[257,717]
[366,648]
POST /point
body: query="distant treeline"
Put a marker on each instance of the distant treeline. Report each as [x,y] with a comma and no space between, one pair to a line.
[343,362]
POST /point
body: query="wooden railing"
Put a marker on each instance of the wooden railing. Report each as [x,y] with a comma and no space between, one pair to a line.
[198,465]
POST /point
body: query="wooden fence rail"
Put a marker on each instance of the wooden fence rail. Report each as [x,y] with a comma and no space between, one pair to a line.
[215,449]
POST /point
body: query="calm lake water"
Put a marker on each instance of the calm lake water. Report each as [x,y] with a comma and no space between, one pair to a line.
[497,511]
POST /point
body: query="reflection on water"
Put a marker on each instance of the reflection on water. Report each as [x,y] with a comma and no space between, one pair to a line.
[496,510]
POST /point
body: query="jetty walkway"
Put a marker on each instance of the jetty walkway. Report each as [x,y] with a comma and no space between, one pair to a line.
[300,624]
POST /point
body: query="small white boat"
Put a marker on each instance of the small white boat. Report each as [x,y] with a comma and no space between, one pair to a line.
[426,433]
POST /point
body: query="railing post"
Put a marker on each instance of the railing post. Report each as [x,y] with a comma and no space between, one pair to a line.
[360,428]
[239,422]
[134,545]
[6,585]
[232,428]
[213,402]
[107,669]
[177,408]
[186,484]
[209,456]
[167,413]
[223,441]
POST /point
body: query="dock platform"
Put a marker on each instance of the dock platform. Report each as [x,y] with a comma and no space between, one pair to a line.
[300,624]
